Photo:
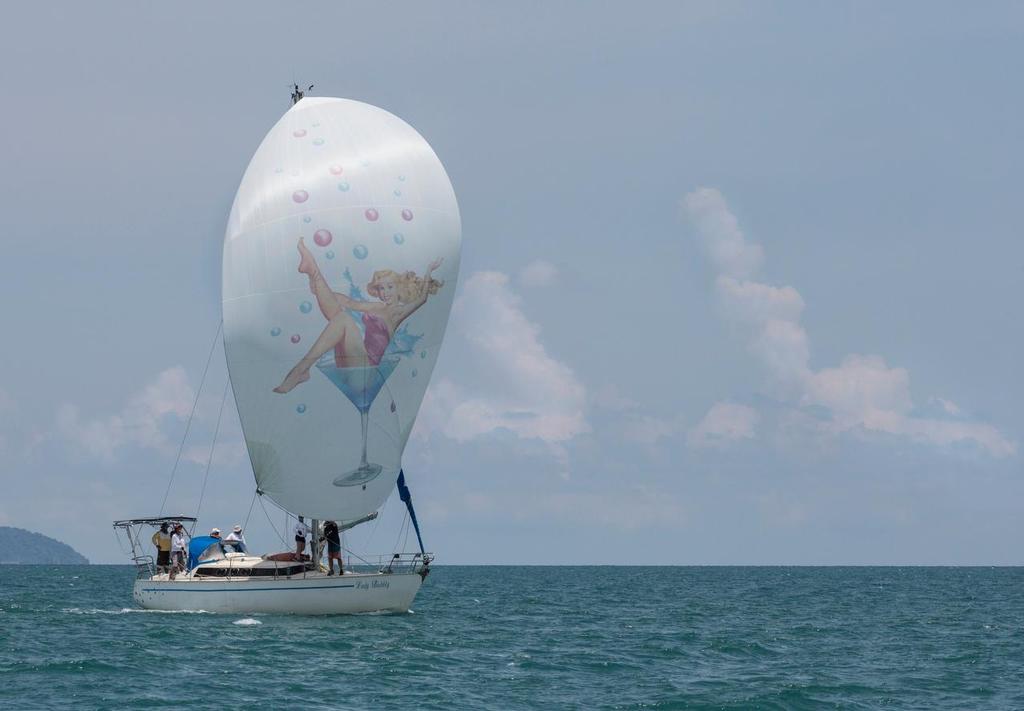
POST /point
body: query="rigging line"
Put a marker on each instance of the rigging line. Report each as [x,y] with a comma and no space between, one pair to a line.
[213,446]
[251,504]
[188,424]
[405,522]
[284,542]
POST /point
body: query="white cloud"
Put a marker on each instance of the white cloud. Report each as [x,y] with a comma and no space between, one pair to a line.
[862,392]
[529,393]
[719,231]
[725,422]
[137,424]
[538,273]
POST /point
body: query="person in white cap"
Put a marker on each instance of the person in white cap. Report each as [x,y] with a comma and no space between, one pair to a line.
[236,539]
[215,532]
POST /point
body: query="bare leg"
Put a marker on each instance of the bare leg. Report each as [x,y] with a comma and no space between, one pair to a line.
[341,329]
[326,299]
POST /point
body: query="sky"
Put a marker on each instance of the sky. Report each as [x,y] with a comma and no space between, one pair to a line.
[741,282]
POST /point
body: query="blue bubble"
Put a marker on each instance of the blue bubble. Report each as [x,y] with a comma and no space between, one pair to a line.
[399,238]
[423,354]
[318,142]
[305,307]
[307,219]
[360,251]
[300,409]
[398,193]
[330,254]
[415,372]
[402,178]
[343,187]
[275,332]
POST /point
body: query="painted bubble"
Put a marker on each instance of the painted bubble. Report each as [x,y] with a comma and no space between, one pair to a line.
[371,214]
[300,409]
[305,307]
[343,187]
[402,178]
[318,141]
[365,163]
[407,214]
[299,133]
[295,338]
[360,251]
[398,193]
[307,219]
[279,170]
[275,332]
[399,238]
[330,254]
[415,372]
[322,237]
[336,170]
[300,196]
[316,125]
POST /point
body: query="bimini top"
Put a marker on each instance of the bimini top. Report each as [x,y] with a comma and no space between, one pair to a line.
[154,519]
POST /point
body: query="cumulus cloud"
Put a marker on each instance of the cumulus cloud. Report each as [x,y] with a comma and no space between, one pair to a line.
[862,392]
[529,393]
[720,233]
[725,422]
[538,273]
[139,423]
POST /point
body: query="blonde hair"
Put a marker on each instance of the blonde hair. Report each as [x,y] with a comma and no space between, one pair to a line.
[408,285]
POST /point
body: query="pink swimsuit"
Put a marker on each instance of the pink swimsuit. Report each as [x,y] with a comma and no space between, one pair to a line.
[375,339]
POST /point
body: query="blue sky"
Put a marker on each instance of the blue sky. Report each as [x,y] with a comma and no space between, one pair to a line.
[740,282]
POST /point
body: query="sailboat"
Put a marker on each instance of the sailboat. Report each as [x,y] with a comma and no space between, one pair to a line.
[340,260]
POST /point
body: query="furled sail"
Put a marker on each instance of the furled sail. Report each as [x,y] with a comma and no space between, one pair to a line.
[340,261]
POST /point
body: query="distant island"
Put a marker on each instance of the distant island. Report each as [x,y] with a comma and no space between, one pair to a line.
[20,546]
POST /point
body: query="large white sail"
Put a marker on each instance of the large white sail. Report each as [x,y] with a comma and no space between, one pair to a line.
[329,364]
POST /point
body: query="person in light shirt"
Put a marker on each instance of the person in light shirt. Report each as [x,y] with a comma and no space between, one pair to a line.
[235,539]
[179,544]
[302,532]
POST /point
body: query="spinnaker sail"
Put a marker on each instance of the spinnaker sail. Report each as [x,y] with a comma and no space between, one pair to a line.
[340,261]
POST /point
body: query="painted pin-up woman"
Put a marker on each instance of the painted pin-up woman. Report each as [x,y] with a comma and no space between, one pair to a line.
[400,295]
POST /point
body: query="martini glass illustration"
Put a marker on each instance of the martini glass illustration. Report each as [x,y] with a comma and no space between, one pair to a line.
[360,384]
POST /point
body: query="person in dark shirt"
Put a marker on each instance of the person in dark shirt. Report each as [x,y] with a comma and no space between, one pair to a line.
[333,539]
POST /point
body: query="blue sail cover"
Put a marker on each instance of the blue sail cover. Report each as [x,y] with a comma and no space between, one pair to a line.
[405,495]
[198,545]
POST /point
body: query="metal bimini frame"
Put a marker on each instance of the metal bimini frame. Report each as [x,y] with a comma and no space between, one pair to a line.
[145,566]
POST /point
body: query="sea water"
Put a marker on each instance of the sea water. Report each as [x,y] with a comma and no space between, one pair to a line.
[535,637]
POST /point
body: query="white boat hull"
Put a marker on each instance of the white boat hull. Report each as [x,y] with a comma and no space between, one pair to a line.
[314,594]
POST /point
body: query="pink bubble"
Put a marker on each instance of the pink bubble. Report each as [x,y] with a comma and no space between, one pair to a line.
[322,237]
[407,214]
[300,133]
[372,215]
[300,196]
[296,338]
[336,170]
